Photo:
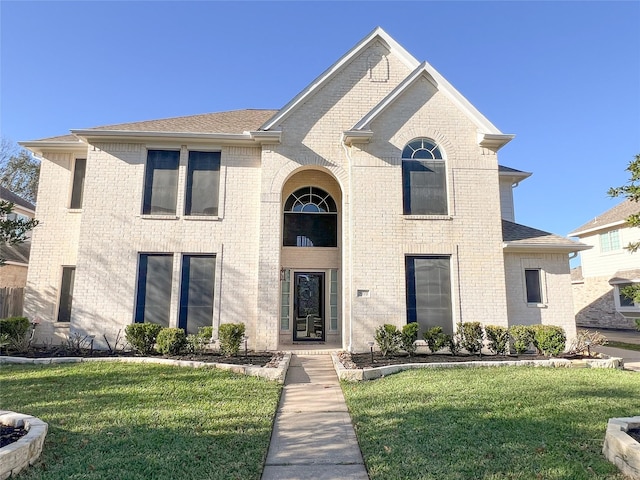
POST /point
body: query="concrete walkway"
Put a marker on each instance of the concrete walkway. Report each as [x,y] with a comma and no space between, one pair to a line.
[313,437]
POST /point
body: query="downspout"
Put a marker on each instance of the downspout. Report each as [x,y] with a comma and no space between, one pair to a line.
[348,314]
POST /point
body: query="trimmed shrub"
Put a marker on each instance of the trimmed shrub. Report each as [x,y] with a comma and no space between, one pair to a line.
[142,336]
[408,338]
[436,339]
[453,342]
[388,338]
[14,331]
[522,337]
[637,323]
[230,335]
[549,339]
[197,343]
[471,336]
[498,338]
[171,341]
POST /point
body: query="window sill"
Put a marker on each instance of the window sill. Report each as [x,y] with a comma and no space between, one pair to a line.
[537,305]
[159,217]
[202,218]
[427,217]
[61,324]
[74,210]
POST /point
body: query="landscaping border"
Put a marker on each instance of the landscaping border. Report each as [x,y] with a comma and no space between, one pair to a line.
[621,449]
[27,449]
[360,374]
[276,374]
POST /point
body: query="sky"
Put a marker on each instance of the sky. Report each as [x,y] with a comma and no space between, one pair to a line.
[564,77]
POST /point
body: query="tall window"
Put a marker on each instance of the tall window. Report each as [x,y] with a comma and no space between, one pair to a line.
[196,292]
[610,241]
[153,300]
[429,292]
[310,219]
[77,190]
[203,179]
[66,294]
[424,185]
[161,182]
[533,284]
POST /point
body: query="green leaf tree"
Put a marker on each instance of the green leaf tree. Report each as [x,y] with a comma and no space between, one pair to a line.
[19,171]
[12,231]
[631,190]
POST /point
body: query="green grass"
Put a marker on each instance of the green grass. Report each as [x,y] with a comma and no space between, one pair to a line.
[128,422]
[490,423]
[624,345]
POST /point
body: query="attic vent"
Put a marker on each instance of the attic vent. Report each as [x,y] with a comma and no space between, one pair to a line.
[378,67]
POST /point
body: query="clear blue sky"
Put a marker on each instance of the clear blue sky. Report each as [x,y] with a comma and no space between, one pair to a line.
[563,76]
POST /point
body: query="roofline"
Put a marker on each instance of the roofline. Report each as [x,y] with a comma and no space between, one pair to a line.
[17,264]
[579,233]
[520,175]
[529,247]
[39,146]
[222,138]
[377,33]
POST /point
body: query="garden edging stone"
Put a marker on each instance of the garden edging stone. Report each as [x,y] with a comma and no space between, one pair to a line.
[25,451]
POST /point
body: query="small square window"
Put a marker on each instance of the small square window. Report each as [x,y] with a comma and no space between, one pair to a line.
[610,241]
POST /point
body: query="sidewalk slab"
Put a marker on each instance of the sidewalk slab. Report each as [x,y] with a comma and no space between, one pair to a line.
[315,472]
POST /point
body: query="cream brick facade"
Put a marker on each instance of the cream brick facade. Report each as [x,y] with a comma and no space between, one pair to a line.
[391,99]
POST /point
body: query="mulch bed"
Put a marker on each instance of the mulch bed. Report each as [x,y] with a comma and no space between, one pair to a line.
[363,360]
[10,434]
[259,359]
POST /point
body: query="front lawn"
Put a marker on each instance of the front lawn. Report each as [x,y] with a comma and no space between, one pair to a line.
[131,421]
[490,423]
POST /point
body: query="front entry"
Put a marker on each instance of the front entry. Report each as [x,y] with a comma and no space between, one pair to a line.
[309,306]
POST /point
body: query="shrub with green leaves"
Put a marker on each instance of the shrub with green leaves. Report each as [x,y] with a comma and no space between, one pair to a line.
[142,336]
[471,336]
[522,336]
[637,323]
[230,335]
[498,338]
[15,330]
[388,338]
[171,341]
[196,343]
[409,336]
[436,339]
[453,342]
[549,339]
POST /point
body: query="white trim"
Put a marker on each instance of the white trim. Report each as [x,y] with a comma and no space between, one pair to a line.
[595,229]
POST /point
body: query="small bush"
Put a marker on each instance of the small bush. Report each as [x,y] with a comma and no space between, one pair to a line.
[522,337]
[637,323]
[549,339]
[408,338]
[471,336]
[198,342]
[453,342]
[498,338]
[585,340]
[15,330]
[142,336]
[171,341]
[230,335]
[388,338]
[436,339]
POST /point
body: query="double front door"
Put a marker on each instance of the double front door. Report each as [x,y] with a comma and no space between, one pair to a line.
[308,306]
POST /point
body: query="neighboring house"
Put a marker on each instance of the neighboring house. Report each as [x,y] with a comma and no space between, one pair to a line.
[606,268]
[14,271]
[374,196]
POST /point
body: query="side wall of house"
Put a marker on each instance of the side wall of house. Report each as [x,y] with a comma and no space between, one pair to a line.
[557,305]
[596,263]
[595,307]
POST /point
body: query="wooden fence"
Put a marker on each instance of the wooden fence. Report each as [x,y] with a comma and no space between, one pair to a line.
[11,301]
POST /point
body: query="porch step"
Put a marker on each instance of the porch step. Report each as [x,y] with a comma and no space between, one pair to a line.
[302,350]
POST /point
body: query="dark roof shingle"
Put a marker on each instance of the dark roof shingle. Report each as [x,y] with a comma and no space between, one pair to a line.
[9,196]
[618,213]
[515,233]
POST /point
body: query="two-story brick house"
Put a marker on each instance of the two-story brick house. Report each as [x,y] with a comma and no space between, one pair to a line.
[374,196]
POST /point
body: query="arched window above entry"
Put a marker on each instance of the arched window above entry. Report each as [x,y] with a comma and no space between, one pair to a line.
[424,179]
[310,219]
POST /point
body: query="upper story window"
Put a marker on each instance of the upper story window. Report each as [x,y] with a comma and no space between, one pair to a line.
[424,179]
[610,241]
[310,219]
[77,189]
[161,182]
[203,180]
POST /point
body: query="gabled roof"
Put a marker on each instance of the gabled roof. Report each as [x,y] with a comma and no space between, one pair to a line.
[488,133]
[519,237]
[378,34]
[625,276]
[616,216]
[9,196]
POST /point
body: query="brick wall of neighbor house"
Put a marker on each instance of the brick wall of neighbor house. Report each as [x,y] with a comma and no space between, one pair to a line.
[558,307]
[54,244]
[595,307]
[13,276]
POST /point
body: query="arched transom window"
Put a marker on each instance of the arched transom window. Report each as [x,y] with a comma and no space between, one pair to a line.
[424,179]
[310,219]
